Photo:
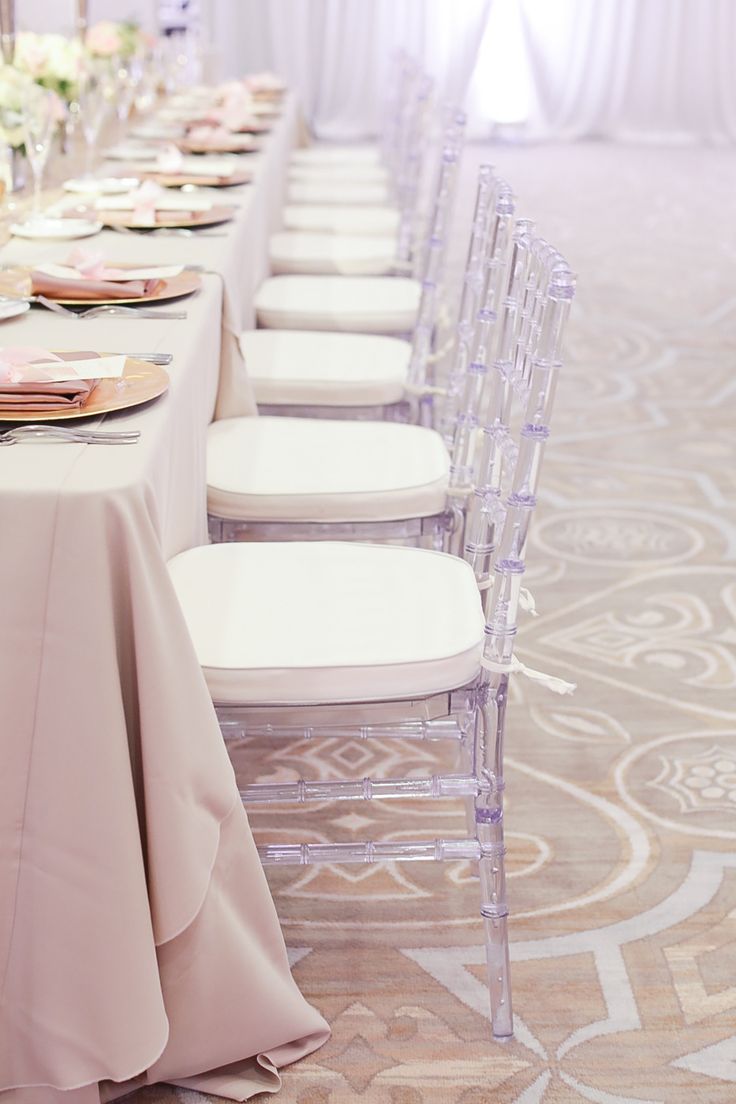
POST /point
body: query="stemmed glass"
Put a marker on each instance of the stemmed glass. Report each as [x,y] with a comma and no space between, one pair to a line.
[40,118]
[147,85]
[96,92]
[129,72]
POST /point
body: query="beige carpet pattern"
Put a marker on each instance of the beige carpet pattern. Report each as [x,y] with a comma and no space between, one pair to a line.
[621,799]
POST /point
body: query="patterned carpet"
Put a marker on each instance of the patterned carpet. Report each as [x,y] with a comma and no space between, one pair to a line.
[621,799]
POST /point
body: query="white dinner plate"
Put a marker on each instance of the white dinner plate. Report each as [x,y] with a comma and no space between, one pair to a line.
[62,229]
[107,185]
[9,308]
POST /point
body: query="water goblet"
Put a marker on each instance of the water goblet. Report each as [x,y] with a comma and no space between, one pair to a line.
[96,92]
[40,119]
[128,72]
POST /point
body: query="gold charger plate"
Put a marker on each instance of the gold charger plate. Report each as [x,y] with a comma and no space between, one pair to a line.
[171,219]
[139,383]
[178,180]
[186,283]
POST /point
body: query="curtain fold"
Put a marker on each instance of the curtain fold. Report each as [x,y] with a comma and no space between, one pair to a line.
[647,70]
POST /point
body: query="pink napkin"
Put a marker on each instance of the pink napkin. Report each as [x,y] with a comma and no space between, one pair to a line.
[25,385]
[97,281]
[90,266]
[55,287]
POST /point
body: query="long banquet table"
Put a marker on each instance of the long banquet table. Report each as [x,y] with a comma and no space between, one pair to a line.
[138,940]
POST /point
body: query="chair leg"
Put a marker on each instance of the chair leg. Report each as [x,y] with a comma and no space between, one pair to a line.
[488,750]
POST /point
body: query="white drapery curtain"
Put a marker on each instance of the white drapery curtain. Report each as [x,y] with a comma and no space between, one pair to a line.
[651,70]
[337,53]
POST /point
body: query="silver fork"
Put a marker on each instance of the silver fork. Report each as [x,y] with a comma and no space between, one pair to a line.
[61,433]
[108,310]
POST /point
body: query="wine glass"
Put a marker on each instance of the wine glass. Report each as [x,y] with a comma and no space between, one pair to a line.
[129,72]
[40,118]
[146,88]
[96,92]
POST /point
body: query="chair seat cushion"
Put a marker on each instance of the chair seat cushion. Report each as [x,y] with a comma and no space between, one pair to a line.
[341,192]
[326,219]
[354,304]
[299,251]
[311,368]
[322,470]
[328,155]
[319,622]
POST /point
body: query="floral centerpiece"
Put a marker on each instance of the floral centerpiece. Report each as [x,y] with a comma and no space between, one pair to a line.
[108,39]
[15,87]
[51,60]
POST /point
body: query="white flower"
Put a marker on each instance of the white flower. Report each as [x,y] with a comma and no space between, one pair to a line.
[15,87]
[52,60]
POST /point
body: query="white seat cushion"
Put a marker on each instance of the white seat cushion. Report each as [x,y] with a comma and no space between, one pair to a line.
[343,193]
[353,304]
[311,368]
[301,252]
[328,622]
[358,174]
[307,469]
[383,221]
[337,155]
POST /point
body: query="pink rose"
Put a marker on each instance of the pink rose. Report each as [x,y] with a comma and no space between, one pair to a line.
[104,39]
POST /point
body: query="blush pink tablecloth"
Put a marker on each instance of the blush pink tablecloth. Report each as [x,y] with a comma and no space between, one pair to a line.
[138,939]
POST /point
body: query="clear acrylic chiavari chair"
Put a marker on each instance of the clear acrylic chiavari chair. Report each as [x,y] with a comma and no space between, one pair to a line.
[382,218]
[330,373]
[356,303]
[310,479]
[374,161]
[404,643]
[344,180]
[321,237]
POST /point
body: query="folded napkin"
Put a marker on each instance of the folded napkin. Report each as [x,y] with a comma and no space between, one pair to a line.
[217,137]
[208,166]
[202,165]
[150,198]
[89,264]
[78,287]
[178,203]
[35,379]
[234,116]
